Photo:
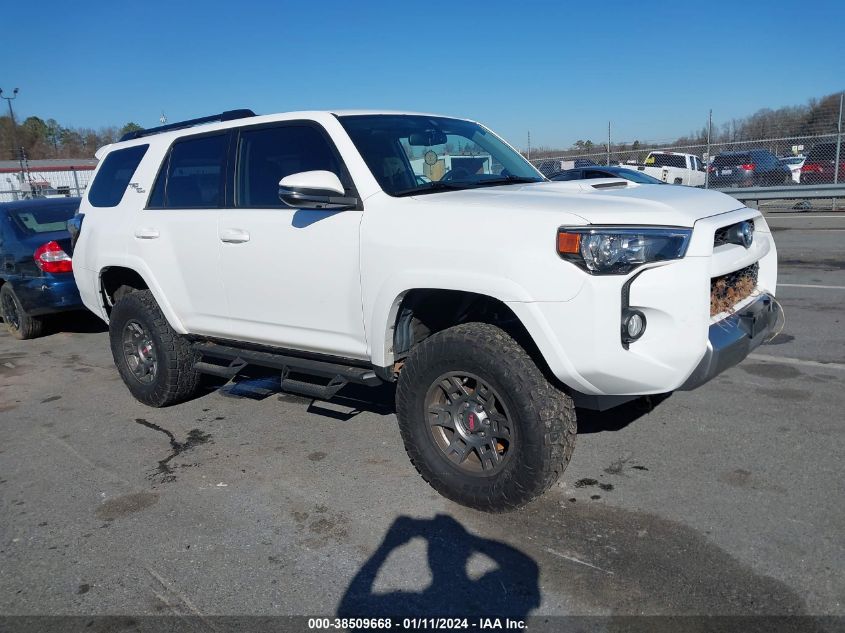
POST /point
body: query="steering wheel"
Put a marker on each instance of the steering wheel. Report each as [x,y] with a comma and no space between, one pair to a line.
[455,173]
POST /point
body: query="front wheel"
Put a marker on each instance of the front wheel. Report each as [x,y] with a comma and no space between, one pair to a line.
[155,362]
[19,324]
[480,421]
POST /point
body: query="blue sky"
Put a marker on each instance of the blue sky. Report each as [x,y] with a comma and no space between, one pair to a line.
[560,70]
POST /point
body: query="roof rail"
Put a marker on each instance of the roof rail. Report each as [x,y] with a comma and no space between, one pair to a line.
[228,115]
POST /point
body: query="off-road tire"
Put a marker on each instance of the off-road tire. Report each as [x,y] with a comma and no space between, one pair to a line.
[543,413]
[28,326]
[176,380]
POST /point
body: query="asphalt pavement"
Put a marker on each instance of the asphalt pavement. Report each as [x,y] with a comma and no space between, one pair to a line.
[726,500]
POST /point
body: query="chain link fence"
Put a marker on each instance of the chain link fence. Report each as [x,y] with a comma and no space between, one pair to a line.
[49,182]
[807,142]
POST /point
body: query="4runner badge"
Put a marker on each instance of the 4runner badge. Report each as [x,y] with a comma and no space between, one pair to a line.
[138,188]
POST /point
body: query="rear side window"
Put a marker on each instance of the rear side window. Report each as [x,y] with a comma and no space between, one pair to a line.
[115,173]
[822,152]
[193,174]
[266,155]
[666,160]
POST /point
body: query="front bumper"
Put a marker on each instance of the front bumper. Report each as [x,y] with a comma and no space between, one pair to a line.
[733,338]
[580,338]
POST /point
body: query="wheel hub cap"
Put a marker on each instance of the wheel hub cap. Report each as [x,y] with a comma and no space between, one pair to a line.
[139,352]
[469,422]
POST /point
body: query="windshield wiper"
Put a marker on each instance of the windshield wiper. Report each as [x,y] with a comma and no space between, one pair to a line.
[456,185]
[434,186]
[506,180]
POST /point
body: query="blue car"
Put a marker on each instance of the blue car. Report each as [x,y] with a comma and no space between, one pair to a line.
[36,276]
[606,172]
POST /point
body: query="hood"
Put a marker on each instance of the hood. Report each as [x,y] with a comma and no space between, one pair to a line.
[599,201]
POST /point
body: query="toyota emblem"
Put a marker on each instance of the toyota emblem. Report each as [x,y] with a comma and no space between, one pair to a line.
[746,233]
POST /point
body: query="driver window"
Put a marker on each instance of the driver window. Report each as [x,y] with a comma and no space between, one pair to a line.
[266,155]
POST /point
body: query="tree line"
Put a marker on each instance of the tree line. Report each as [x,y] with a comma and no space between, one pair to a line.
[49,139]
[816,117]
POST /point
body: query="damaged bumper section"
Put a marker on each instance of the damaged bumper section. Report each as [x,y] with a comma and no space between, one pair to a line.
[733,338]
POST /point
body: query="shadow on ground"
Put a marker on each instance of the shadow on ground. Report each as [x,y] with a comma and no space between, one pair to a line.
[73,322]
[510,589]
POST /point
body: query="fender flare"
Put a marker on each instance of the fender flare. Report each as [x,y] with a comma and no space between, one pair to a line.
[138,266]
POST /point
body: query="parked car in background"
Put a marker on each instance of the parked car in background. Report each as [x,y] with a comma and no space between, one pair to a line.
[674,168]
[554,166]
[819,166]
[607,172]
[749,168]
[36,276]
[794,163]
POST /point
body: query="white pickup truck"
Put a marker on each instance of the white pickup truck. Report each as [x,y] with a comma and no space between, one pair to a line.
[319,244]
[674,168]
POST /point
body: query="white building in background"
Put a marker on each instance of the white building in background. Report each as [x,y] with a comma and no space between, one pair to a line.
[45,178]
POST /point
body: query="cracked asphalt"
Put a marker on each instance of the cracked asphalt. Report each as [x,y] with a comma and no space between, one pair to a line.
[725,500]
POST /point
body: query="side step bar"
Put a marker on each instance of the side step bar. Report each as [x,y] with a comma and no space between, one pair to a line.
[338,375]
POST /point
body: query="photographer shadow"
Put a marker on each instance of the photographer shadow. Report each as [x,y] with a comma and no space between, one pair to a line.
[510,590]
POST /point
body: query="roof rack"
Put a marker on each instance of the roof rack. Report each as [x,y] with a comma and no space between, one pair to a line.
[228,115]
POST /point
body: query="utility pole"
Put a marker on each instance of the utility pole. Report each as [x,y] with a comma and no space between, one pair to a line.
[529,144]
[709,136]
[608,143]
[17,150]
[838,141]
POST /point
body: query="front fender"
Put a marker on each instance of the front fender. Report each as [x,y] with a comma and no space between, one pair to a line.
[382,313]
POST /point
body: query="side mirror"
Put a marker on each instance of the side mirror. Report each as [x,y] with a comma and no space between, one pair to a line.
[315,190]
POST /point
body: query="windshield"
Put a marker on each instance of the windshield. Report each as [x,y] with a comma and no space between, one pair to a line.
[413,154]
[40,218]
[732,159]
[636,176]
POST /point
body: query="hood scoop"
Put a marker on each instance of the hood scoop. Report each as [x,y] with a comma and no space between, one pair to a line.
[610,184]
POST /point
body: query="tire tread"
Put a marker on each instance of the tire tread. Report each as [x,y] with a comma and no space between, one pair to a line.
[550,408]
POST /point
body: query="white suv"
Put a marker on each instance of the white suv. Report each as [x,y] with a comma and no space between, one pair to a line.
[373,247]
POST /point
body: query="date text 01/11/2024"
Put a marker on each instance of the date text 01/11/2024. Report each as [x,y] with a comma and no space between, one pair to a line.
[415,624]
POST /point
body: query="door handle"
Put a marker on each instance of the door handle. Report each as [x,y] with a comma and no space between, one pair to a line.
[234,236]
[146,233]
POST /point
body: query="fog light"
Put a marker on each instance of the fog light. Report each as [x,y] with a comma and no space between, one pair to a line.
[633,325]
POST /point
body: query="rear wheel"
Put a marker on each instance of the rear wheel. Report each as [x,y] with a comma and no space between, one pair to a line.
[155,362]
[480,421]
[18,322]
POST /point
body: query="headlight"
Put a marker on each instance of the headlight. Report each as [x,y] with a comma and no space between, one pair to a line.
[616,250]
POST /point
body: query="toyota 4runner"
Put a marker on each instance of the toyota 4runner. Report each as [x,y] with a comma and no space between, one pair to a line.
[379,247]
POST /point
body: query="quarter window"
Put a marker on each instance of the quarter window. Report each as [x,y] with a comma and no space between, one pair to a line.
[266,155]
[117,170]
[193,174]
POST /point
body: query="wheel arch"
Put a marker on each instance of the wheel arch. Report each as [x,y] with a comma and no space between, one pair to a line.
[417,313]
[117,278]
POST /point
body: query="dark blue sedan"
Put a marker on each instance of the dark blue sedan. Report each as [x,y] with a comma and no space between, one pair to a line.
[36,275]
[606,172]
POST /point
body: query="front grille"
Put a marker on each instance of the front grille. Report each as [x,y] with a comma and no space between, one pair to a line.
[728,290]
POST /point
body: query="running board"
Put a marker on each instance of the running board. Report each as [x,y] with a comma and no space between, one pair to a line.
[238,358]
